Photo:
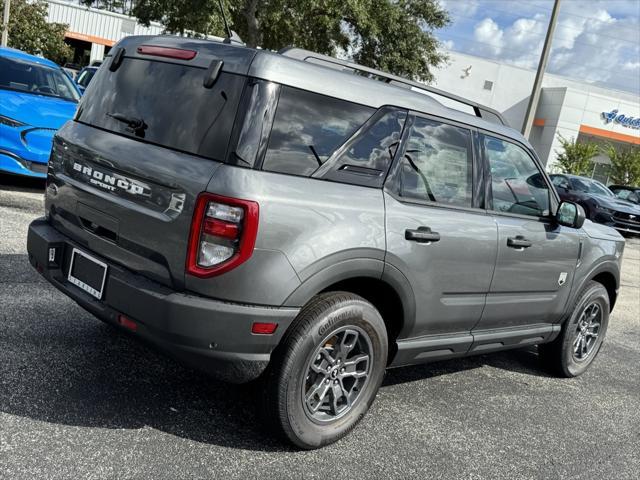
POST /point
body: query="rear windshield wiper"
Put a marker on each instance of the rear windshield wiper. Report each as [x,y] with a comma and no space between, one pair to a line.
[315,154]
[136,125]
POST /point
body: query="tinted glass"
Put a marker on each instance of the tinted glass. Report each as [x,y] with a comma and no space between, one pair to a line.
[308,128]
[590,186]
[258,109]
[167,104]
[623,194]
[516,183]
[375,149]
[437,165]
[32,78]
[367,157]
[85,77]
[559,180]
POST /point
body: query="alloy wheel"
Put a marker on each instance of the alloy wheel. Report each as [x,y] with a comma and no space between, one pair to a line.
[587,331]
[337,373]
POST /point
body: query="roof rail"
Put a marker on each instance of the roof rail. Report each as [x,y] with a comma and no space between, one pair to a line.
[480,111]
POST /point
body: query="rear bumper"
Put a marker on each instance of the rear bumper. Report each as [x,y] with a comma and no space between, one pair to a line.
[210,335]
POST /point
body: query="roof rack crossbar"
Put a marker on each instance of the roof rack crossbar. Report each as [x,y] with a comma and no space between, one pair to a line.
[332,62]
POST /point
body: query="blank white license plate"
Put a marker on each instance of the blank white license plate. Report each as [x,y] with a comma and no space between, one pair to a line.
[87,273]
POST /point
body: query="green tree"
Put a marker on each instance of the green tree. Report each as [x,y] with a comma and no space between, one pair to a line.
[392,35]
[625,165]
[576,158]
[30,32]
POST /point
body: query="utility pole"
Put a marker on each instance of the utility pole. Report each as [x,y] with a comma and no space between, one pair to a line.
[535,93]
[5,23]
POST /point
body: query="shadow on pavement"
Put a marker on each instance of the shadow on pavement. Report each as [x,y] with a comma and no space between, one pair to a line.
[524,361]
[18,183]
[59,364]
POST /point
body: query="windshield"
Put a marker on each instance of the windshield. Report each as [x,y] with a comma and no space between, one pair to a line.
[591,186]
[28,77]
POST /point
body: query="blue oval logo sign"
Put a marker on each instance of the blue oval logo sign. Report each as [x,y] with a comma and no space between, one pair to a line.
[622,119]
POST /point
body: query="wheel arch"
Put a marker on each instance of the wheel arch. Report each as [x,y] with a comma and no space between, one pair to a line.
[364,277]
[608,275]
[608,280]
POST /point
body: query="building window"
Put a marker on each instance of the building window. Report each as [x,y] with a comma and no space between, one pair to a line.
[488,85]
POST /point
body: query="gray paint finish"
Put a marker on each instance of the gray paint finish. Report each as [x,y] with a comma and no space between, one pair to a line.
[451,277]
[526,284]
[467,292]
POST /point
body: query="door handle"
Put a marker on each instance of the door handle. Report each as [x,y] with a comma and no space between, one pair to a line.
[518,242]
[421,235]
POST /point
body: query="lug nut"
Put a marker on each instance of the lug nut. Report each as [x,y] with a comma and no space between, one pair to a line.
[326,381]
[335,382]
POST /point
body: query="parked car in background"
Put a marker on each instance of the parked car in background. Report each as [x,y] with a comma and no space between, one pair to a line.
[85,76]
[600,204]
[36,98]
[624,192]
[72,70]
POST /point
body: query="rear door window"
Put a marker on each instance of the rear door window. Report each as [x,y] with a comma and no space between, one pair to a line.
[165,104]
[437,165]
[308,128]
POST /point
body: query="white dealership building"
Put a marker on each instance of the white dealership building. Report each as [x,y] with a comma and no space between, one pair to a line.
[566,107]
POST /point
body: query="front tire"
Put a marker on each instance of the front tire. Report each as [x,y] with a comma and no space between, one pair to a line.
[325,374]
[582,334]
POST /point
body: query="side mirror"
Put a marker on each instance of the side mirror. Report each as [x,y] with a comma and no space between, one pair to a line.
[570,215]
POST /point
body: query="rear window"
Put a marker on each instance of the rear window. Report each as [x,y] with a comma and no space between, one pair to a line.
[308,128]
[165,104]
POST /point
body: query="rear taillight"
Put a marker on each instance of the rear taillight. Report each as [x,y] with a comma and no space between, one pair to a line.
[223,234]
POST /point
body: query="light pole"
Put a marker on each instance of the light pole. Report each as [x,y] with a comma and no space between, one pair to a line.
[535,94]
[5,23]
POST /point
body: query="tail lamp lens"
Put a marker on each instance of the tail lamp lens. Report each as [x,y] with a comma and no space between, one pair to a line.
[223,234]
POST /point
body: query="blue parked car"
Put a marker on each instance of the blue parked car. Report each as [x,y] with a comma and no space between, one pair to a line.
[36,99]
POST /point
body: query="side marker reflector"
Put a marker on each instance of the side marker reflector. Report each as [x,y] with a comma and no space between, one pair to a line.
[260,328]
[127,323]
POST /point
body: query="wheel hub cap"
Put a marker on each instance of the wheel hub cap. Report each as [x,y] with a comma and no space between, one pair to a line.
[587,332]
[336,374]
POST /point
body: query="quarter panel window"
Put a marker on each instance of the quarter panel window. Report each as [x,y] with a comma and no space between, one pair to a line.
[517,185]
[437,164]
[308,128]
[367,158]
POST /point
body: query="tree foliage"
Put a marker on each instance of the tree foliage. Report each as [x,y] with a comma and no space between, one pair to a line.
[392,35]
[576,158]
[625,165]
[30,32]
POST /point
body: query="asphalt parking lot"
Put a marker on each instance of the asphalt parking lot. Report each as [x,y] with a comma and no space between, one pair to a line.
[79,399]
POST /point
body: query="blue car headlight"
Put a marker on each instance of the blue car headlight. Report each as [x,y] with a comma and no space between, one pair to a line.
[10,122]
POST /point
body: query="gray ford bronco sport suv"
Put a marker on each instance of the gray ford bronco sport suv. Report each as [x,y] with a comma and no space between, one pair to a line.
[308,222]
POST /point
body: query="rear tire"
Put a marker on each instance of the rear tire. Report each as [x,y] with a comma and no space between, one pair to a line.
[582,334]
[326,372]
